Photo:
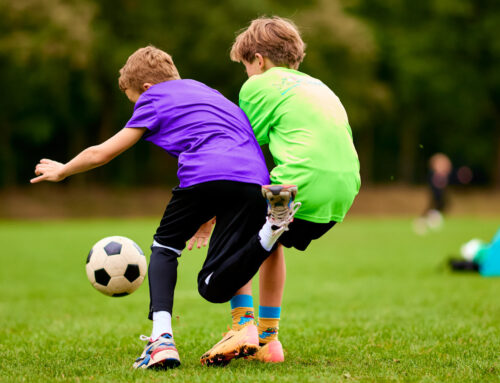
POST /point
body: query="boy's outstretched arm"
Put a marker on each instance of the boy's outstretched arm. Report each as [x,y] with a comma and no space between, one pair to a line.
[90,158]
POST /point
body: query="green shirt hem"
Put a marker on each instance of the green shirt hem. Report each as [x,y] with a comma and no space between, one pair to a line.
[311,218]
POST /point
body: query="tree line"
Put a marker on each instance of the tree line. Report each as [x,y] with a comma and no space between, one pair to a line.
[415,77]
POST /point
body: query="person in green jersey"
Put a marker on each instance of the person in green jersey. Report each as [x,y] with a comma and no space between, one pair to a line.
[309,137]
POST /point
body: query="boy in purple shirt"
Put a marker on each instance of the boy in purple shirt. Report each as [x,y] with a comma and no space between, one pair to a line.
[221,170]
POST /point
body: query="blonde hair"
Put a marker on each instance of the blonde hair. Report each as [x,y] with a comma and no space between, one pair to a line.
[148,64]
[275,38]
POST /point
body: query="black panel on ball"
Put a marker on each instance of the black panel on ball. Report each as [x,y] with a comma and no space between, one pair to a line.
[90,254]
[132,272]
[102,277]
[119,295]
[113,248]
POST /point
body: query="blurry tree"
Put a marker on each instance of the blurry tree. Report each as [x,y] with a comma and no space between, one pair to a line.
[71,51]
[415,77]
[440,60]
[44,49]
[342,52]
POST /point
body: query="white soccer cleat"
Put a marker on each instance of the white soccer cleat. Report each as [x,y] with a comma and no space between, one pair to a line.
[281,206]
[158,354]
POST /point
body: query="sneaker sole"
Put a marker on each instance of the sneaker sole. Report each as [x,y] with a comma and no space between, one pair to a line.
[165,364]
[164,361]
[277,189]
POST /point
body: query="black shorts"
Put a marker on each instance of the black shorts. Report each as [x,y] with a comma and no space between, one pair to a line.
[300,233]
[238,206]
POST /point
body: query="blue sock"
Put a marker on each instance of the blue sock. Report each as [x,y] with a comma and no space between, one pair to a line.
[269,312]
[243,300]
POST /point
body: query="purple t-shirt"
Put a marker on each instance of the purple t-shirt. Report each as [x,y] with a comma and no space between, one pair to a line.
[211,137]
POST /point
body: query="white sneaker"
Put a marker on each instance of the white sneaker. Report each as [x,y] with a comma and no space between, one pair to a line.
[158,354]
[434,219]
[280,205]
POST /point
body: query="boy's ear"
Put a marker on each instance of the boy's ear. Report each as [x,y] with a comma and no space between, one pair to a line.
[146,86]
[260,60]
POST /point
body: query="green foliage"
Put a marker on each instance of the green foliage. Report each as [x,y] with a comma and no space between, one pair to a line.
[415,77]
[438,58]
[380,309]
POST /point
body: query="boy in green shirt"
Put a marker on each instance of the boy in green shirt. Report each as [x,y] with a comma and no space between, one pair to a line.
[310,140]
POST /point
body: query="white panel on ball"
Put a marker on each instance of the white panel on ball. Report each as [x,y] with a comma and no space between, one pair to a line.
[116,266]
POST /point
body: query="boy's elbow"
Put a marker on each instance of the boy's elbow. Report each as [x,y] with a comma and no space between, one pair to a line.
[97,156]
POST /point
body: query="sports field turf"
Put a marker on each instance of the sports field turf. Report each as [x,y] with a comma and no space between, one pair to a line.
[369,302]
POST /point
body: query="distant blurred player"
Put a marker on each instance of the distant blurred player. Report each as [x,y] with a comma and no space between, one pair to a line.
[221,170]
[310,139]
[441,175]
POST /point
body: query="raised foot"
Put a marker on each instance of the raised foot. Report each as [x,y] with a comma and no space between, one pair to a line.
[281,205]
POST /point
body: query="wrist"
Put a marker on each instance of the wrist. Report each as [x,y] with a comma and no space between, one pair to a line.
[63,173]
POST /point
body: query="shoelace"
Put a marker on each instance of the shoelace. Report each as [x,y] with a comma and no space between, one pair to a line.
[144,338]
[282,215]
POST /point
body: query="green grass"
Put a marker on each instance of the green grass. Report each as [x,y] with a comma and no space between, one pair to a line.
[371,301]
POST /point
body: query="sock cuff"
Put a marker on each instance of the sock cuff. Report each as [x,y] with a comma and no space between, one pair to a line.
[162,315]
[242,300]
[269,312]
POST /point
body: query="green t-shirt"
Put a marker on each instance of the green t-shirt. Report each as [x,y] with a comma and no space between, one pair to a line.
[309,137]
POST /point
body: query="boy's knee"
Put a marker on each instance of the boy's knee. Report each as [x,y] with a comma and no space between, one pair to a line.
[211,293]
[166,251]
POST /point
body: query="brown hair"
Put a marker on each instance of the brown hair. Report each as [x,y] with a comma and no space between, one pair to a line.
[147,64]
[275,38]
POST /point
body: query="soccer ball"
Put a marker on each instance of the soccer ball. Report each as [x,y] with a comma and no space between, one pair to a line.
[116,266]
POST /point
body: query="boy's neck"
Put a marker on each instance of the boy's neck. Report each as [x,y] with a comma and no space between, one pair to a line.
[268,64]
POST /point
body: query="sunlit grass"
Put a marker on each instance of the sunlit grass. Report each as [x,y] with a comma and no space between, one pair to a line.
[369,302]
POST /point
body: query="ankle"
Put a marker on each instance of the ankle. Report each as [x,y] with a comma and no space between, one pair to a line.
[242,316]
[269,319]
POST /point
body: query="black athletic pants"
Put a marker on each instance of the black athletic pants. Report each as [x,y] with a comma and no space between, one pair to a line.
[234,254]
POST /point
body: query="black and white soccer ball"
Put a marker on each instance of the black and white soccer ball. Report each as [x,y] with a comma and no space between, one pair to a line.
[116,266]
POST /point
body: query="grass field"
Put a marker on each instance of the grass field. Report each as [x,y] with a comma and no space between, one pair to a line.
[370,302]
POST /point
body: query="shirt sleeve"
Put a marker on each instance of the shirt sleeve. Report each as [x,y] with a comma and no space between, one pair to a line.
[256,105]
[144,115]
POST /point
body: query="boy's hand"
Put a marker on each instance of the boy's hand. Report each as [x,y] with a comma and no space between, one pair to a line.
[202,235]
[48,170]
[90,158]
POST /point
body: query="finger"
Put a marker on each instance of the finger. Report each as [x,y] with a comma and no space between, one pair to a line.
[45,161]
[37,179]
[41,166]
[191,243]
[41,169]
[205,241]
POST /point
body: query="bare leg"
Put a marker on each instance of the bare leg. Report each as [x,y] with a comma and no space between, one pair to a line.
[247,289]
[272,276]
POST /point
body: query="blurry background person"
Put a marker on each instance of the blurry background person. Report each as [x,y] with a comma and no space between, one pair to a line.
[440,170]
[441,174]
